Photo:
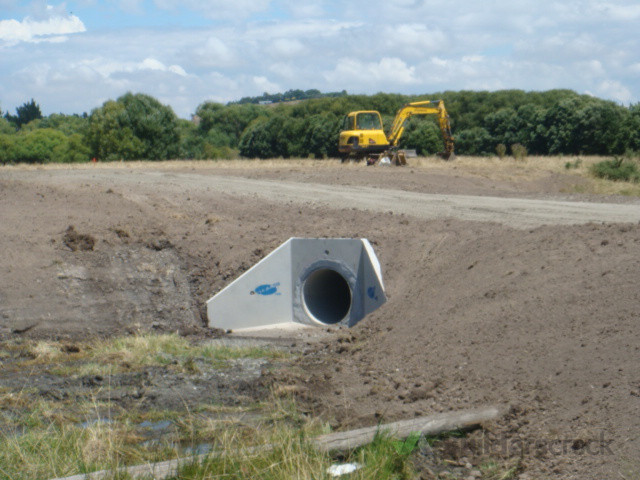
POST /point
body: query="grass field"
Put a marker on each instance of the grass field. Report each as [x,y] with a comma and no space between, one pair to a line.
[49,436]
[43,437]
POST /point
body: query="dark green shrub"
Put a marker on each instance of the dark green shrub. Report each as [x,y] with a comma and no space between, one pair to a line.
[617,169]
[501,150]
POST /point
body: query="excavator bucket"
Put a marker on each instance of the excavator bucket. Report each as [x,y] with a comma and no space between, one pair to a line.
[399,158]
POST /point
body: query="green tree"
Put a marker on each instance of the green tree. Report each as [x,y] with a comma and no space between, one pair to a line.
[530,129]
[108,136]
[561,122]
[502,127]
[474,141]
[6,148]
[6,127]
[321,136]
[133,127]
[276,136]
[191,145]
[632,128]
[230,121]
[25,113]
[154,124]
[76,149]
[43,145]
[423,135]
[600,129]
[256,141]
[67,124]
[206,115]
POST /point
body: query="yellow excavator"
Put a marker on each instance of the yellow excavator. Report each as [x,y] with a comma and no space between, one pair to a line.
[362,134]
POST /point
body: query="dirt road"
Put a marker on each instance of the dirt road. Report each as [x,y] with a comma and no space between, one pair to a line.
[514,212]
[529,303]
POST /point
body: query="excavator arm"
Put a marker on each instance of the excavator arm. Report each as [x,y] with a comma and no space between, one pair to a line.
[435,107]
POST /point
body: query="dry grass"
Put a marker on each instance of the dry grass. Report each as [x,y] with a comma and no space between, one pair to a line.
[248,164]
[135,351]
[505,168]
[508,169]
[530,169]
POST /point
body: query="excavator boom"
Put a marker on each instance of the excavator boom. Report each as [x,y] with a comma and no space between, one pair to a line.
[428,107]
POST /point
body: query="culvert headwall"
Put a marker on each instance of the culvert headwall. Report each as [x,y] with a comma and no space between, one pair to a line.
[317,281]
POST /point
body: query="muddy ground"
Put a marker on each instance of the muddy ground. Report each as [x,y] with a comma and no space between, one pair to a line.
[543,320]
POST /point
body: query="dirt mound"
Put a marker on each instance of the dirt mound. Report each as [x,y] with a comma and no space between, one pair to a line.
[124,276]
[78,241]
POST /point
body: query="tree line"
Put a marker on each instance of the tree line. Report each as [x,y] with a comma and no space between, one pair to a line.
[137,126]
[289,96]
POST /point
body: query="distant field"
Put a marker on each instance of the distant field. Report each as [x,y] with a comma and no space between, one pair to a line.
[508,169]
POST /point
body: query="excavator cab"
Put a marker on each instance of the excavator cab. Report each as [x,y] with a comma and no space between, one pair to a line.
[362,135]
[368,121]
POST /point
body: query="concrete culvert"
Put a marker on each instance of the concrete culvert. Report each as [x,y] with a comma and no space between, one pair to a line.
[326,296]
[309,281]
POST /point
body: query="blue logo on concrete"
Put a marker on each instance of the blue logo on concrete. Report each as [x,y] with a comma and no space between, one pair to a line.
[267,289]
[371,292]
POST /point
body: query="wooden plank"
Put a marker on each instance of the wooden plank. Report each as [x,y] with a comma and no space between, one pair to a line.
[340,441]
[430,425]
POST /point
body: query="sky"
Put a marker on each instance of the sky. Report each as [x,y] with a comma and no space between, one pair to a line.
[72,56]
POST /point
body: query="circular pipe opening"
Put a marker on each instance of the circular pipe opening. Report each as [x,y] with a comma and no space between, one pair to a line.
[326,296]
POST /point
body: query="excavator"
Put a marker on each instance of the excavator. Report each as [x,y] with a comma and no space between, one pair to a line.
[362,134]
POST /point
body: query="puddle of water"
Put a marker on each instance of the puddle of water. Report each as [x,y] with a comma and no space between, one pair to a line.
[156,426]
[95,421]
[199,449]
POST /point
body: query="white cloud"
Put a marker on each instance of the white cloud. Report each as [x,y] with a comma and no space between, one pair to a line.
[214,52]
[110,68]
[150,64]
[305,29]
[264,85]
[413,39]
[177,69]
[614,90]
[285,70]
[620,13]
[305,10]
[287,47]
[387,71]
[33,29]
[592,68]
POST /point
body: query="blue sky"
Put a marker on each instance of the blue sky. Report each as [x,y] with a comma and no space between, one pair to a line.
[72,56]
